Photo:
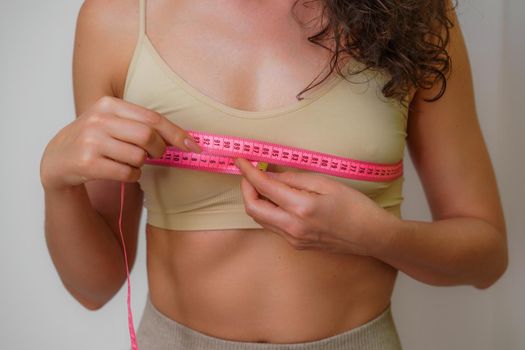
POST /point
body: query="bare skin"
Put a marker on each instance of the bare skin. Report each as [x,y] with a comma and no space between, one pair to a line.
[245,285]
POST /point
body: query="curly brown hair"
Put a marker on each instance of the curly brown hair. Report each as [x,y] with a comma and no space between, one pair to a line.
[407,39]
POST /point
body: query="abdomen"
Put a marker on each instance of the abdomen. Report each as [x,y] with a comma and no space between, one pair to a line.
[252,285]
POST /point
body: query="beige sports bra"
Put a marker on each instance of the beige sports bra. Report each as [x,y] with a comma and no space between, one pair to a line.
[344,118]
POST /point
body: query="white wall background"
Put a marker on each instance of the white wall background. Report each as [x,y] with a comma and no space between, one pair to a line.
[36,100]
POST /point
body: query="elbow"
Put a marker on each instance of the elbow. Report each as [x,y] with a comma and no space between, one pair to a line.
[499,267]
[89,303]
[96,303]
[94,299]
[487,284]
[494,278]
[91,306]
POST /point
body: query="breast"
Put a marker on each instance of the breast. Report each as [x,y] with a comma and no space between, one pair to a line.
[349,119]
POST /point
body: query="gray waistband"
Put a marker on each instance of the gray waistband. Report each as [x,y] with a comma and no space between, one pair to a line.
[158,332]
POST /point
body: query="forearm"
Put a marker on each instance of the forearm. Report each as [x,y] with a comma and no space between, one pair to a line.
[454,251]
[83,248]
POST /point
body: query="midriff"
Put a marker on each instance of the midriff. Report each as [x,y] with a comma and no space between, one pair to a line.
[252,285]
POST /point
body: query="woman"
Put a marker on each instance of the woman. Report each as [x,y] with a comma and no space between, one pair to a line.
[295,259]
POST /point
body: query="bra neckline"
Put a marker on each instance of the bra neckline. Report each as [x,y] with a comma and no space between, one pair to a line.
[314,95]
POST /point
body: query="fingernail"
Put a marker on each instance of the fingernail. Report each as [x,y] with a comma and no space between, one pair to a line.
[192,145]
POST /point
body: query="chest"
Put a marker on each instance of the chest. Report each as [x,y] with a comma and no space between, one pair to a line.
[348,119]
[248,92]
[250,57]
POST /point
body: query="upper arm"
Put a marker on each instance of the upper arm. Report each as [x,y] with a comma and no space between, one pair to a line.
[447,147]
[98,70]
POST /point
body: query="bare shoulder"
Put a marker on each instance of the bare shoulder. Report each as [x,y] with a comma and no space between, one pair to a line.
[106,33]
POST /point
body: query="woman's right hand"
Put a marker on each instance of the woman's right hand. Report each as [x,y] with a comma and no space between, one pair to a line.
[110,140]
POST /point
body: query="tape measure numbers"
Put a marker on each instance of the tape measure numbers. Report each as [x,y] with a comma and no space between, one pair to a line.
[218,152]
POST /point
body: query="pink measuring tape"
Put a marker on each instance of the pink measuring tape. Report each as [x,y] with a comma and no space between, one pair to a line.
[219,151]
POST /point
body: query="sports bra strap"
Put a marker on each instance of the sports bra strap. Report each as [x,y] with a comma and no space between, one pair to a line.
[142,17]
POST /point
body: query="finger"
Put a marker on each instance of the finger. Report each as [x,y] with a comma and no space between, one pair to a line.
[124,152]
[262,209]
[279,227]
[105,168]
[311,182]
[278,192]
[170,132]
[135,133]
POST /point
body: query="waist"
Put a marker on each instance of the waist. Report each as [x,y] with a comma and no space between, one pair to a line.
[251,285]
[156,330]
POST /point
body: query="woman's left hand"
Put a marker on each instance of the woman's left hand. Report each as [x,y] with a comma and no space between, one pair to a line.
[314,212]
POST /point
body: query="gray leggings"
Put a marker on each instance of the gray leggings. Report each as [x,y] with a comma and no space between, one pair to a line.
[158,332]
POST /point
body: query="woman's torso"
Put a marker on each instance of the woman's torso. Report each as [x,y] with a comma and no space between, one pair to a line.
[250,284]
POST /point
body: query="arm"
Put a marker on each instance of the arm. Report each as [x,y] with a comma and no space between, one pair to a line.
[466,243]
[81,222]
